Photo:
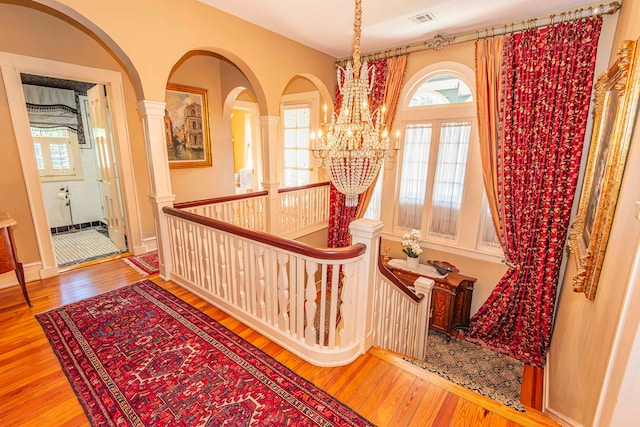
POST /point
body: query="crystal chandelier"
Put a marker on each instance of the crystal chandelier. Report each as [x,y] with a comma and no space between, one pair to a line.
[356,142]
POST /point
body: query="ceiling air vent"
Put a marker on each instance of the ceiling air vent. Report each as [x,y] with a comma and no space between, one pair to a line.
[422,18]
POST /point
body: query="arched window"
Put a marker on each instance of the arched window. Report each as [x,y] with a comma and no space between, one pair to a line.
[441,89]
[439,186]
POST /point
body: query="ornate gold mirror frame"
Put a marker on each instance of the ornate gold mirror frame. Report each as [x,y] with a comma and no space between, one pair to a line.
[616,102]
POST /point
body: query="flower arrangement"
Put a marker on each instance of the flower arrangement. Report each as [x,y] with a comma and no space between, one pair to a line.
[411,244]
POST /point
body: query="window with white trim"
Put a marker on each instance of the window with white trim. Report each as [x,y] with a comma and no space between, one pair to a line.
[297,157]
[439,188]
[57,154]
[298,118]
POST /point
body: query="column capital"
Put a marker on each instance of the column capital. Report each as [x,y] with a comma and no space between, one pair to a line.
[162,199]
[270,185]
[151,108]
[269,120]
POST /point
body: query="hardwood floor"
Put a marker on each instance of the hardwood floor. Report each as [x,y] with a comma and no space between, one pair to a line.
[379,385]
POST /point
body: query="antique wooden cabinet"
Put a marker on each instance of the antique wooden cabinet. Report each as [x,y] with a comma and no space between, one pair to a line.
[9,255]
[450,297]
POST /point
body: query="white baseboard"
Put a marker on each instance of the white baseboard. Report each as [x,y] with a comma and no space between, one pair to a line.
[31,273]
[560,418]
[149,244]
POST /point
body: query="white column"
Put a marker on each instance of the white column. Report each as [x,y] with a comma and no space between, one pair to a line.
[271,175]
[152,114]
[368,232]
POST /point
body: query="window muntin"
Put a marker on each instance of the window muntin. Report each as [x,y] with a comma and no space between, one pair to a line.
[59,155]
[441,89]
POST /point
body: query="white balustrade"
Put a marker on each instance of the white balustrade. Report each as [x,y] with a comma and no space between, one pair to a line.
[244,211]
[301,211]
[327,311]
[401,322]
[304,210]
[298,296]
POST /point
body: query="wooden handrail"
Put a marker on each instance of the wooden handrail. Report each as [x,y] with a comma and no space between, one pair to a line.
[222,199]
[331,254]
[393,279]
[302,187]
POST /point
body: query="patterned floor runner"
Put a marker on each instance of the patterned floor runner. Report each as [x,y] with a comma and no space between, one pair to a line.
[475,368]
[144,264]
[85,245]
[139,355]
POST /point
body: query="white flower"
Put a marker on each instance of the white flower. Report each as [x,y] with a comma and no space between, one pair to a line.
[411,243]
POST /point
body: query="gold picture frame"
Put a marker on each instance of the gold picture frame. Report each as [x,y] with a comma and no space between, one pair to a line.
[616,102]
[186,125]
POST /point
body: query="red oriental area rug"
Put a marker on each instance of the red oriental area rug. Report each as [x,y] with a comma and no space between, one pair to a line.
[139,356]
[144,264]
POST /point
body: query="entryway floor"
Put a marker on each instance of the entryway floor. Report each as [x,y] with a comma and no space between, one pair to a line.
[80,246]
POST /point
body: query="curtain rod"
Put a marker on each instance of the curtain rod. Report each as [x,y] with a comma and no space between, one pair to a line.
[440,41]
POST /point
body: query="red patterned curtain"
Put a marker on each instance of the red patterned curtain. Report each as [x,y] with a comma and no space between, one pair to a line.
[546,82]
[341,216]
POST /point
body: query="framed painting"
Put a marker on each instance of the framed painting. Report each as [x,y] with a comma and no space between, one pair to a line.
[616,103]
[187,127]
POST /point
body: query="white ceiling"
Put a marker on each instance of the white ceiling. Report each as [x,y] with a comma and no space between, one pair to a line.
[327,25]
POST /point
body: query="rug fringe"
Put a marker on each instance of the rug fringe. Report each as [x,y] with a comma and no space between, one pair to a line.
[135,267]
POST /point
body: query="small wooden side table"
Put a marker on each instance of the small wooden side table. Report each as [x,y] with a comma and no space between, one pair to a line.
[9,260]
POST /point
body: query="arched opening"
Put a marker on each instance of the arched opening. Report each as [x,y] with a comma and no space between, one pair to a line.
[305,108]
[230,128]
[243,112]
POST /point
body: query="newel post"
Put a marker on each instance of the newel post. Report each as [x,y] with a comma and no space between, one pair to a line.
[424,287]
[368,232]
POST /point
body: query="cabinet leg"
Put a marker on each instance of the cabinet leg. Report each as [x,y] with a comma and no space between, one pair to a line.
[23,285]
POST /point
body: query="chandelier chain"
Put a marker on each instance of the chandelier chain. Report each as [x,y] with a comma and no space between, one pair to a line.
[357,30]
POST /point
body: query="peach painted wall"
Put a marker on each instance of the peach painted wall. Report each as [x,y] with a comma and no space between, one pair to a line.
[579,365]
[169,29]
[203,71]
